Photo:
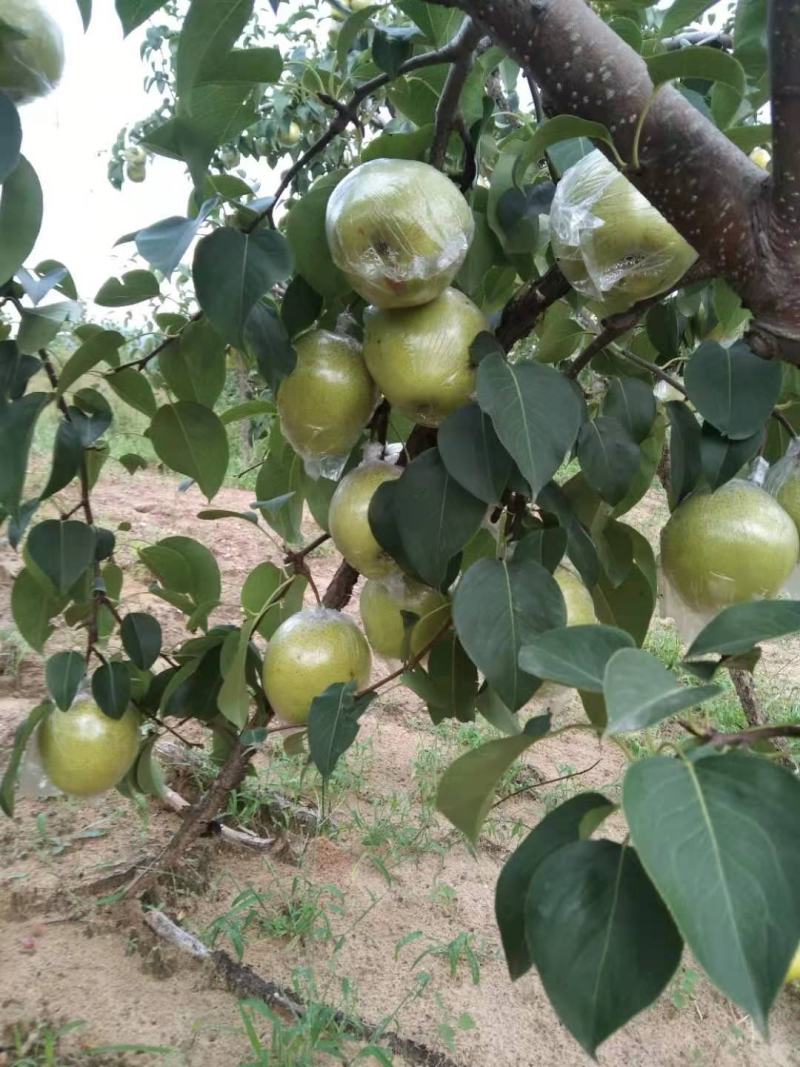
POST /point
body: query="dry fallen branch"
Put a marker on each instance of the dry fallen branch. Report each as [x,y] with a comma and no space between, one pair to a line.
[244,983]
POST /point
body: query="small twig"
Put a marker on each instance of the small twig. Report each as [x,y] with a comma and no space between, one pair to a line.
[409,665]
[291,558]
[547,781]
[142,361]
[450,99]
[744,738]
[522,312]
[614,327]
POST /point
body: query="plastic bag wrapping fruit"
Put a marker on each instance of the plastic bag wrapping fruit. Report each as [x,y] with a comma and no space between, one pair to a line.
[31,50]
[399,230]
[611,243]
[731,546]
[401,616]
[783,482]
[326,402]
[419,357]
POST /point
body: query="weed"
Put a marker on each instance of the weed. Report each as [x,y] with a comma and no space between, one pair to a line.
[461,949]
[13,651]
[683,987]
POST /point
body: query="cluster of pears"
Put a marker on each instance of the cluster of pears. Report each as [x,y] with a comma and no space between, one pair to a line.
[399,230]
[31,50]
[736,544]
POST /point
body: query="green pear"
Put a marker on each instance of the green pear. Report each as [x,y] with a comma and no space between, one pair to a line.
[580,612]
[84,751]
[733,545]
[793,974]
[610,242]
[382,605]
[787,493]
[348,519]
[399,230]
[135,172]
[31,50]
[420,356]
[312,650]
[290,136]
[329,396]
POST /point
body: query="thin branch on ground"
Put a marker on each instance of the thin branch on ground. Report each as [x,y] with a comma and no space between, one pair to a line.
[173,801]
[449,102]
[246,984]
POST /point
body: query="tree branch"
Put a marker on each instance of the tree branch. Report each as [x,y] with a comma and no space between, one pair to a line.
[522,311]
[784,61]
[447,108]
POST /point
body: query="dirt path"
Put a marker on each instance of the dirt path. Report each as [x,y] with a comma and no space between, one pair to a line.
[386,910]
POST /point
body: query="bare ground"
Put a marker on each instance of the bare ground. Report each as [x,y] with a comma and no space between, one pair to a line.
[360,903]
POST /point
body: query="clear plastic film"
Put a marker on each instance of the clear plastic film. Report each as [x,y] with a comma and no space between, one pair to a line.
[420,356]
[382,606]
[399,230]
[326,402]
[665,392]
[611,243]
[731,546]
[783,482]
[31,50]
[33,780]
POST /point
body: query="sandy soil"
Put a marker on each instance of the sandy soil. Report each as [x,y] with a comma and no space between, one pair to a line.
[382,872]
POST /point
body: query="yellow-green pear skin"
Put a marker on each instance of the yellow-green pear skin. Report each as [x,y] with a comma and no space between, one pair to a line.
[788,495]
[312,650]
[611,244]
[348,519]
[326,401]
[382,605]
[399,230]
[420,358]
[727,547]
[84,752]
[577,598]
[793,974]
[31,50]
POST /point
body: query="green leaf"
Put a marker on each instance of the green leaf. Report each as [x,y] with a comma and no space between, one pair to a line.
[546,545]
[210,30]
[558,335]
[22,735]
[141,638]
[492,708]
[133,387]
[720,838]
[435,517]
[560,827]
[682,13]
[164,243]
[111,688]
[32,607]
[467,787]
[609,457]
[39,327]
[732,387]
[248,409]
[91,416]
[333,724]
[17,424]
[133,13]
[233,699]
[305,232]
[498,608]
[62,551]
[64,673]
[267,341]
[550,132]
[413,144]
[203,581]
[232,271]
[132,288]
[473,455]
[453,678]
[248,66]
[741,627]
[631,402]
[598,932]
[20,217]
[684,451]
[85,9]
[189,438]
[535,412]
[574,655]
[281,476]
[350,30]
[301,306]
[193,365]
[639,691]
[722,458]
[10,137]
[390,49]
[133,463]
[100,347]
[709,64]
[749,137]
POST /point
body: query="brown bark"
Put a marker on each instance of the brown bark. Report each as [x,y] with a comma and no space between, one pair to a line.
[710,190]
